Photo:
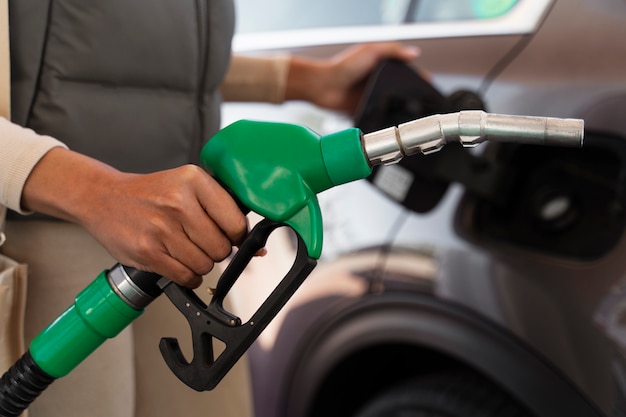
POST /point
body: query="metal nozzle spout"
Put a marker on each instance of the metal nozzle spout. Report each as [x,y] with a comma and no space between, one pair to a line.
[471,127]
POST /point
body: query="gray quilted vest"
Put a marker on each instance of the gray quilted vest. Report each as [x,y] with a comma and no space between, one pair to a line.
[132,83]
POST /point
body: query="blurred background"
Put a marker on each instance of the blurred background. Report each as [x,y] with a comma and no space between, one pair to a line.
[512,277]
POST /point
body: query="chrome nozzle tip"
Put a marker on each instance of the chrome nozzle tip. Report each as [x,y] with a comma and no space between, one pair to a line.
[565,132]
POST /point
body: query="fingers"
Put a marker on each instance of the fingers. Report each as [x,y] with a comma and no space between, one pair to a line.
[222,209]
[398,51]
[365,56]
[209,228]
[179,270]
[177,223]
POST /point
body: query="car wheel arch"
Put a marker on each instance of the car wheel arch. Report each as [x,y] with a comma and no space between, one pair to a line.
[446,335]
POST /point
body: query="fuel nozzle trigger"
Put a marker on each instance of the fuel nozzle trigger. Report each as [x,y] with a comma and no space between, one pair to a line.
[208,367]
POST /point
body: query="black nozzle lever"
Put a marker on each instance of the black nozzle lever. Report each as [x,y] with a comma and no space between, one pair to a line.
[206,369]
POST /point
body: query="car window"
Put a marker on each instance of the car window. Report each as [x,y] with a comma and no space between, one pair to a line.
[301,14]
[447,10]
[277,24]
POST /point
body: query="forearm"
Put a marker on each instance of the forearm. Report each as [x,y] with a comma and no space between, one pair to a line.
[273,79]
[306,78]
[67,185]
[256,79]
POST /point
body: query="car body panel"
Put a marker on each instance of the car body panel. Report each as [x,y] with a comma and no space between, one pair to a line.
[567,311]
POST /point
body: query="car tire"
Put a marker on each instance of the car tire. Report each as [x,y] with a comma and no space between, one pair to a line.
[445,394]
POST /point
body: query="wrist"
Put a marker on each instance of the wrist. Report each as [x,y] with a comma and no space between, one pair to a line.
[305,79]
[67,185]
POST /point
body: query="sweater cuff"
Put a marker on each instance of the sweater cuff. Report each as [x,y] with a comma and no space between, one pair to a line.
[259,79]
[20,150]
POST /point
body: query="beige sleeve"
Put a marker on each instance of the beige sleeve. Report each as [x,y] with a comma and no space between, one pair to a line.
[20,150]
[5,69]
[258,79]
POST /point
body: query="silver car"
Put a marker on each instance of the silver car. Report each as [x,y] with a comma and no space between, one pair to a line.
[496,285]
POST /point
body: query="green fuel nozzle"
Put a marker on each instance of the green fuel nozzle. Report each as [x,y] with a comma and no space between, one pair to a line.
[275,170]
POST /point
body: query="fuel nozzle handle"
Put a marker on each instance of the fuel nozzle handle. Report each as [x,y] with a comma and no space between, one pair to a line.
[471,127]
